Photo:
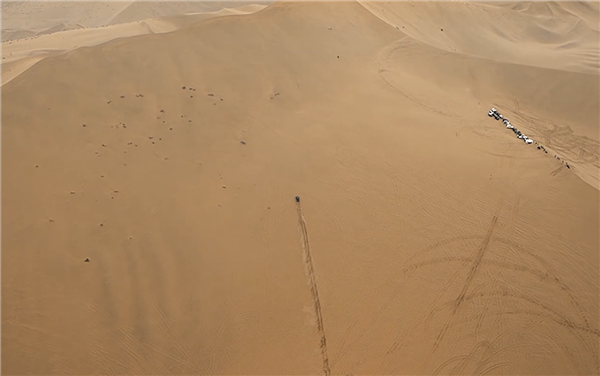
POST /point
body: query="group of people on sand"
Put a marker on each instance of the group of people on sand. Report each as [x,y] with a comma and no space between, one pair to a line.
[496,115]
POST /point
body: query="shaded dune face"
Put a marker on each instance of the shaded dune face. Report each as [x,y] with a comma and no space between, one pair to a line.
[34,31]
[556,35]
[26,19]
[150,224]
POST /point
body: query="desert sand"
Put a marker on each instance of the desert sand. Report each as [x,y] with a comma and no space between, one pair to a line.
[58,27]
[23,19]
[149,220]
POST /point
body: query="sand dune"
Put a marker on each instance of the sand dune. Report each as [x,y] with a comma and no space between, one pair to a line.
[23,18]
[154,9]
[427,239]
[515,35]
[27,18]
[20,55]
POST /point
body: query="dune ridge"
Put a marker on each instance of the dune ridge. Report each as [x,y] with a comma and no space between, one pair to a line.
[20,55]
[503,34]
[39,17]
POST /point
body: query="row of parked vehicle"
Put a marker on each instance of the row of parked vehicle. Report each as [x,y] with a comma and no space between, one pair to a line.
[496,115]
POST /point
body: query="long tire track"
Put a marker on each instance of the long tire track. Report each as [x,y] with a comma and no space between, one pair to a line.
[472,272]
[313,289]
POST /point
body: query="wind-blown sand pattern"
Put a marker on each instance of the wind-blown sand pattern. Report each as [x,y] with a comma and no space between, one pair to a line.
[165,143]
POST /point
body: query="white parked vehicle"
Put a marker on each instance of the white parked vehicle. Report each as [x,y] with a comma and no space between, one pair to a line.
[529,141]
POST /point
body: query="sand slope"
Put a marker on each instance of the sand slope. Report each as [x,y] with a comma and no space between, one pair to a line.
[139,10]
[440,243]
[19,55]
[28,18]
[521,33]
[21,19]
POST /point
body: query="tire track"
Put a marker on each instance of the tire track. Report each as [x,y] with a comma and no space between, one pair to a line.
[407,274]
[171,334]
[462,135]
[486,307]
[545,273]
[383,63]
[472,272]
[488,348]
[538,316]
[551,313]
[313,289]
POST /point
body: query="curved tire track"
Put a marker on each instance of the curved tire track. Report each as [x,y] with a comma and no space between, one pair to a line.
[469,280]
